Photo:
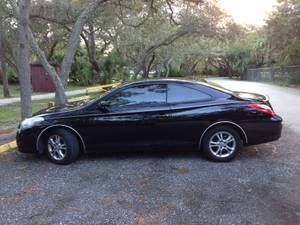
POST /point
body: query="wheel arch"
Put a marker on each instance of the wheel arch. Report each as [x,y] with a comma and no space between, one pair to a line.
[45,130]
[234,125]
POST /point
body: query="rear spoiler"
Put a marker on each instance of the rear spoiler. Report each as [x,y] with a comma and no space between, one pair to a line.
[254,96]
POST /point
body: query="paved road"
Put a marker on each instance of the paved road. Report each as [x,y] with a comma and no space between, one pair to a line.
[6,101]
[262,186]
[286,101]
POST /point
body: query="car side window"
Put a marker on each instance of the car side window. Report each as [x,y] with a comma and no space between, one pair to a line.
[178,93]
[141,95]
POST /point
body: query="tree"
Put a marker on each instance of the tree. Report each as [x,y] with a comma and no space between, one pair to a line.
[259,47]
[283,32]
[4,47]
[23,58]
[3,71]
[231,59]
[145,45]
[60,80]
[9,23]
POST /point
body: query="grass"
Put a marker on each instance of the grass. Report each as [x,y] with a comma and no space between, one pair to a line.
[15,90]
[12,113]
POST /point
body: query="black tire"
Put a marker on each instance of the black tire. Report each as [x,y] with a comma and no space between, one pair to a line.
[72,150]
[227,156]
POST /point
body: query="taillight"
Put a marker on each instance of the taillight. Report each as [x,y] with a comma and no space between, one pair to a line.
[263,108]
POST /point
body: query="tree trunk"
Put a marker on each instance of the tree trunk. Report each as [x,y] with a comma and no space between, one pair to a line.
[75,37]
[23,59]
[52,50]
[187,68]
[3,73]
[146,66]
[92,48]
[144,72]
[158,71]
[167,68]
[193,68]
[61,81]
[60,96]
[165,42]
[137,70]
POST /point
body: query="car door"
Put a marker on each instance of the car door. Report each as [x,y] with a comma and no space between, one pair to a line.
[189,115]
[121,124]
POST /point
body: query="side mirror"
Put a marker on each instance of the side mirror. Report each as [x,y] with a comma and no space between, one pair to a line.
[103,104]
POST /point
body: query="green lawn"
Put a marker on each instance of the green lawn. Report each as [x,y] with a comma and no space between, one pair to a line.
[15,90]
[11,113]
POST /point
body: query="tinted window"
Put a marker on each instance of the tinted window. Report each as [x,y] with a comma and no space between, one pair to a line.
[140,95]
[177,93]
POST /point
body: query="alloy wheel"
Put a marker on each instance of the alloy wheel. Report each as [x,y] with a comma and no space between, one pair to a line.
[57,147]
[222,144]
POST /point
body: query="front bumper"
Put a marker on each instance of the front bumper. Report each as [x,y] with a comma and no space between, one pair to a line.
[26,140]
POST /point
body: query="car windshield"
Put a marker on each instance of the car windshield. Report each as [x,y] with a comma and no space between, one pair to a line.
[93,97]
[97,96]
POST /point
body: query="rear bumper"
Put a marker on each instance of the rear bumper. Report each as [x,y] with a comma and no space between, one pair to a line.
[263,131]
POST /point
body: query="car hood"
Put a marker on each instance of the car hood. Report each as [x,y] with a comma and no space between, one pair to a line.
[63,108]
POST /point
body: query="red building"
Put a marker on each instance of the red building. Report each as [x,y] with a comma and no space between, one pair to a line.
[40,79]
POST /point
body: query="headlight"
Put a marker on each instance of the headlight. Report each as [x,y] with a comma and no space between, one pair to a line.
[30,122]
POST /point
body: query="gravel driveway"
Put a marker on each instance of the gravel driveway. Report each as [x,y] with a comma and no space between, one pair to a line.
[261,186]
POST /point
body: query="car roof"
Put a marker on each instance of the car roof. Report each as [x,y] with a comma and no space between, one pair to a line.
[164,81]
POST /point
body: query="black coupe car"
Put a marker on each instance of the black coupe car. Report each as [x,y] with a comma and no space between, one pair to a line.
[153,114]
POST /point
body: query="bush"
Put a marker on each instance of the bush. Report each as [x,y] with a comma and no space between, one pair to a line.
[114,68]
[173,73]
[293,79]
[12,76]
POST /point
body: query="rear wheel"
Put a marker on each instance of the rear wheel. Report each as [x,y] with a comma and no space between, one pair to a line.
[221,143]
[62,146]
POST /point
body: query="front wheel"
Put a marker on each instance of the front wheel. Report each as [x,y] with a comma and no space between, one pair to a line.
[62,146]
[221,143]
